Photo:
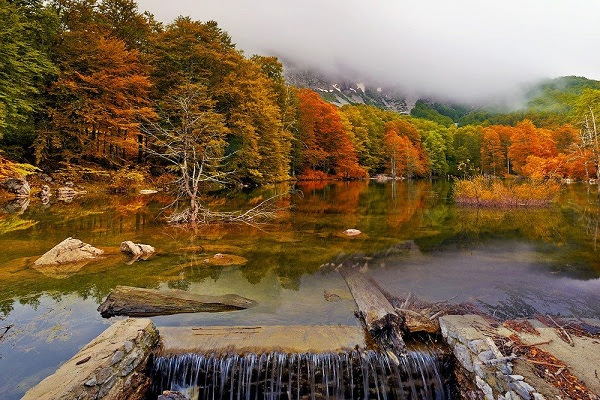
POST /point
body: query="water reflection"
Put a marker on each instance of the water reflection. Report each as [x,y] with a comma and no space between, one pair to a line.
[513,263]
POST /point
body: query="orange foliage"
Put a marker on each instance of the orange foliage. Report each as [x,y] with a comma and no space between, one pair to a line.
[483,192]
[312,175]
[493,159]
[326,145]
[402,146]
[527,140]
[102,94]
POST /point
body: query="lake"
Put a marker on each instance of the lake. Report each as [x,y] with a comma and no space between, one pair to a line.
[511,263]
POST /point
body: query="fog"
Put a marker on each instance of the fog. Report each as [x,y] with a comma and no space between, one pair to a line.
[466,50]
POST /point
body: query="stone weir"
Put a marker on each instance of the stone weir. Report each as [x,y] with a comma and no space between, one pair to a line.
[133,359]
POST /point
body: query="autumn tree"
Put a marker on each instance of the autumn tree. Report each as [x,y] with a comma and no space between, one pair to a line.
[99,100]
[326,146]
[124,22]
[258,141]
[95,107]
[405,157]
[492,154]
[250,94]
[527,140]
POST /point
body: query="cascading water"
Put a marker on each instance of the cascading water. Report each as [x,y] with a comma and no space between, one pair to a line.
[349,375]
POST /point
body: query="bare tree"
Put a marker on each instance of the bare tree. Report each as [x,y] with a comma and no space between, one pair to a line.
[586,108]
[590,140]
[191,138]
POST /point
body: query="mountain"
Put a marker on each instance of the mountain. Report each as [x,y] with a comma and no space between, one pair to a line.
[546,102]
[341,90]
[556,95]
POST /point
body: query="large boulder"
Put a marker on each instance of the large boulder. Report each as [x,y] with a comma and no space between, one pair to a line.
[16,206]
[137,249]
[67,192]
[19,187]
[69,251]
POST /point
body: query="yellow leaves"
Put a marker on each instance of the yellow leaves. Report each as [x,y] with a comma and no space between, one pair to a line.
[15,170]
[481,191]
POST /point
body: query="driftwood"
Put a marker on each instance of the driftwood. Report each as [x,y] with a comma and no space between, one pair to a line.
[378,315]
[139,302]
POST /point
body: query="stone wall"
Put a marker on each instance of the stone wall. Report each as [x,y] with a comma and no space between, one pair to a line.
[110,367]
[482,363]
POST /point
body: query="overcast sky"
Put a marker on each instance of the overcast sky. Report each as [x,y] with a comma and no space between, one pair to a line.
[461,49]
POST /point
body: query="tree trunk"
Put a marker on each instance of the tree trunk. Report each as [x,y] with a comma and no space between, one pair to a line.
[140,302]
[193,210]
[140,156]
[377,314]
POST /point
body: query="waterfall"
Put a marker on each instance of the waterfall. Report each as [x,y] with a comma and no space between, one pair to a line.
[270,376]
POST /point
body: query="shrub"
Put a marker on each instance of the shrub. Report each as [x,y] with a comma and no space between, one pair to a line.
[126,179]
[487,192]
[314,175]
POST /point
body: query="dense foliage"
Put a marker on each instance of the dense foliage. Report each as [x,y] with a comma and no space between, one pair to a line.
[97,82]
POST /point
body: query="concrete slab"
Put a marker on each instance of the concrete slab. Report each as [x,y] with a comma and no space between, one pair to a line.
[258,339]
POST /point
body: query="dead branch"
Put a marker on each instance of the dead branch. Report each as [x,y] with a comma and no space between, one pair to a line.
[262,213]
[563,330]
[6,329]
[406,302]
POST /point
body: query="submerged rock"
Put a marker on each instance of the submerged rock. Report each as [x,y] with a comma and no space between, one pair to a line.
[140,302]
[45,191]
[18,187]
[69,251]
[220,259]
[137,249]
[148,191]
[17,206]
[330,295]
[171,395]
[67,192]
[61,271]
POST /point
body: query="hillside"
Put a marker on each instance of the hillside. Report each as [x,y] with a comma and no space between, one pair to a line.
[546,102]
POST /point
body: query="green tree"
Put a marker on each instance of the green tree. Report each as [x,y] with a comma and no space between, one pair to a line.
[435,147]
[26,28]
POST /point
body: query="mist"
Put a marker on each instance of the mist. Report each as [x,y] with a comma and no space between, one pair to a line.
[464,50]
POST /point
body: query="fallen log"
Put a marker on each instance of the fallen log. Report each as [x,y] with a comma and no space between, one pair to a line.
[377,314]
[140,302]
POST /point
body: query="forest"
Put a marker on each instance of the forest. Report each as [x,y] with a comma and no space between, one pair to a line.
[102,86]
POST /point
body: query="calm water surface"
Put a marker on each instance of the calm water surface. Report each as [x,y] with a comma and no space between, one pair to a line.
[510,262]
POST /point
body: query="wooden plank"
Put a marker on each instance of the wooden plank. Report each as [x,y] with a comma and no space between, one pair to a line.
[140,302]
